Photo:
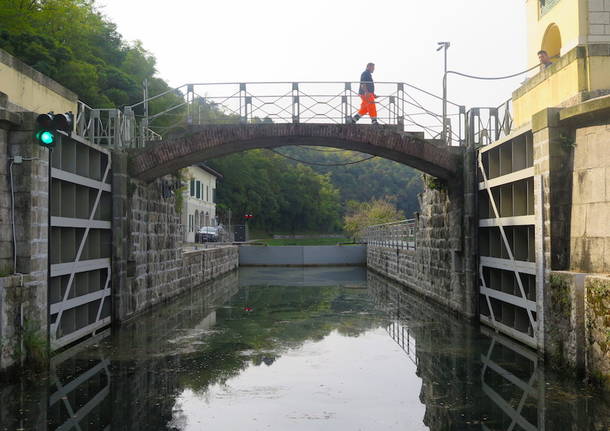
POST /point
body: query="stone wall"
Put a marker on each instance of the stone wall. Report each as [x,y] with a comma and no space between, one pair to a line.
[597,328]
[437,267]
[149,266]
[599,21]
[23,297]
[590,216]
[577,324]
[571,156]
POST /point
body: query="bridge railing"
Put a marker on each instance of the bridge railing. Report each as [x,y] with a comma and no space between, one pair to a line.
[111,127]
[486,125]
[400,234]
[399,104]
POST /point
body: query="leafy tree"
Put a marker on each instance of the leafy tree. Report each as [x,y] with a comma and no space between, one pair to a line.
[377,211]
[280,195]
[364,181]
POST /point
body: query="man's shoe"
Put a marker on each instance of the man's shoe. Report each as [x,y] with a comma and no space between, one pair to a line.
[355,118]
[375,122]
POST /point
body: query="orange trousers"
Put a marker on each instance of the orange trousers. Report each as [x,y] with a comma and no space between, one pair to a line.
[368,105]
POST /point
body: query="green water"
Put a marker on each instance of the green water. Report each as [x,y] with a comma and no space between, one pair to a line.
[301,349]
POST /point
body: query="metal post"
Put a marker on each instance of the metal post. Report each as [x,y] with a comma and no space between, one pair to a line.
[190,98]
[445,46]
[243,104]
[50,177]
[145,118]
[445,97]
[400,94]
[347,100]
[296,108]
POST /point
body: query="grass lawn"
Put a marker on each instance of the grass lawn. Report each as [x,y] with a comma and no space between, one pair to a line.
[305,241]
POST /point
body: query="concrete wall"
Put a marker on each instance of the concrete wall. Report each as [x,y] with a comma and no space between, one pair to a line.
[302,255]
[149,266]
[581,74]
[30,90]
[22,298]
[437,268]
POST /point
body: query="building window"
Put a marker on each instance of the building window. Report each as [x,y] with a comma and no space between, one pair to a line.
[207,193]
[193,188]
[546,5]
[198,193]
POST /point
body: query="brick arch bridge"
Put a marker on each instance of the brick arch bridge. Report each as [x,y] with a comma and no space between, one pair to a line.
[207,142]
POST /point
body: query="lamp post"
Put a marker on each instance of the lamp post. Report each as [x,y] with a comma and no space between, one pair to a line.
[445,46]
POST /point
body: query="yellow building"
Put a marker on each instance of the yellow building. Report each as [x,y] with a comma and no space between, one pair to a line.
[577,34]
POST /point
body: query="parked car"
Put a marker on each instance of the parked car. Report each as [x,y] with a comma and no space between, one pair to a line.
[207,234]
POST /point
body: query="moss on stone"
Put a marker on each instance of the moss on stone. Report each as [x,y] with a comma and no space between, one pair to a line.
[598,329]
[561,298]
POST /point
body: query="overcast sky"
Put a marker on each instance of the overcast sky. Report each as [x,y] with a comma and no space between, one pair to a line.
[328,40]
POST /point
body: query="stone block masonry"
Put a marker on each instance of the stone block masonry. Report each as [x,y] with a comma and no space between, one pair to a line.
[23,289]
[436,268]
[577,324]
[590,236]
[149,266]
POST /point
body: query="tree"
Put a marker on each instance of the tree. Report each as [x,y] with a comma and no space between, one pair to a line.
[364,181]
[377,211]
[281,196]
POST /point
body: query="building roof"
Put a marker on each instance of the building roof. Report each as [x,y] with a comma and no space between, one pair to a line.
[209,170]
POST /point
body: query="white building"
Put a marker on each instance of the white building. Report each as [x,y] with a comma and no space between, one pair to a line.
[199,208]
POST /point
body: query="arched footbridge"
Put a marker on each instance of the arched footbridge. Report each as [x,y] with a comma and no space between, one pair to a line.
[159,158]
[219,119]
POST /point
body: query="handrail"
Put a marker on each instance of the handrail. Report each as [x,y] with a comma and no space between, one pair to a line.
[400,104]
[409,220]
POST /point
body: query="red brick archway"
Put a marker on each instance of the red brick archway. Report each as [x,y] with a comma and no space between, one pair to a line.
[207,142]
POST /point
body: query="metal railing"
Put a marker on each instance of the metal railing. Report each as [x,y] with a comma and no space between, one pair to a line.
[486,125]
[111,127]
[400,234]
[401,334]
[400,104]
[409,108]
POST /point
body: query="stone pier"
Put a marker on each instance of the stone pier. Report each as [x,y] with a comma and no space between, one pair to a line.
[149,265]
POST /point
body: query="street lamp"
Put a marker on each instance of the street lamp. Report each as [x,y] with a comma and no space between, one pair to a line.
[445,46]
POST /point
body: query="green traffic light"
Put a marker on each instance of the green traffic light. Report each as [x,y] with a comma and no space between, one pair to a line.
[46,137]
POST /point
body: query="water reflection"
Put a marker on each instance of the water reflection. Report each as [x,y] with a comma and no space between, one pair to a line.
[332,348]
[474,378]
[79,393]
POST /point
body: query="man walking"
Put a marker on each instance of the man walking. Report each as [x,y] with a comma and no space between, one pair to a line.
[367,94]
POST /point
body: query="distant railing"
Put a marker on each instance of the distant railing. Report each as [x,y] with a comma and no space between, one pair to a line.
[111,127]
[400,234]
[403,105]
